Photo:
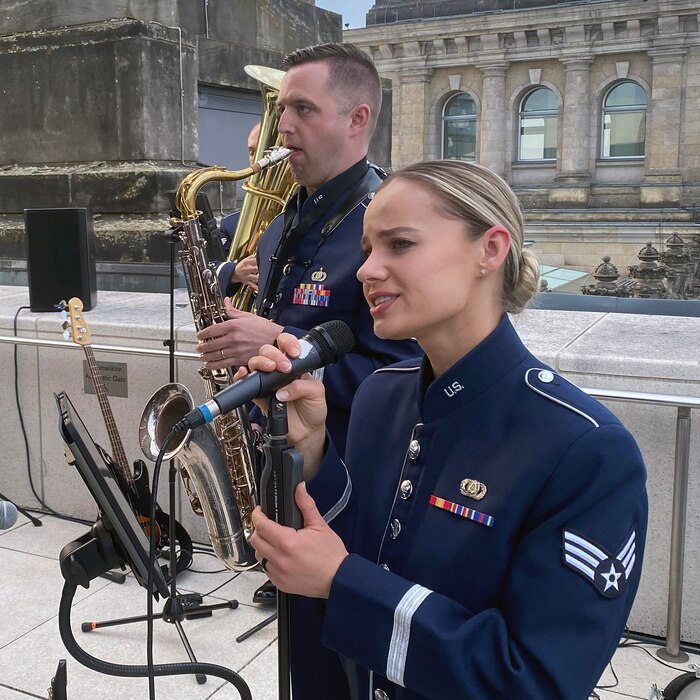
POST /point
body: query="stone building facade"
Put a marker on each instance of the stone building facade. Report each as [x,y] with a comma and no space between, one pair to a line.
[589,109]
[101,108]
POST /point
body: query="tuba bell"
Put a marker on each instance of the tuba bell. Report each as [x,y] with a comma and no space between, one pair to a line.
[217,461]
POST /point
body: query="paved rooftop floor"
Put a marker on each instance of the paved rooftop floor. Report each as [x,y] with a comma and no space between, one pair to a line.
[30,644]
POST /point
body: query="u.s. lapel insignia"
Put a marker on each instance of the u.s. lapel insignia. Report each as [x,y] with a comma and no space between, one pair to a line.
[319,276]
[471,488]
[609,573]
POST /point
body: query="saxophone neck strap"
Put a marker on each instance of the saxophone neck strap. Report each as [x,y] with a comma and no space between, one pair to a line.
[360,180]
[365,187]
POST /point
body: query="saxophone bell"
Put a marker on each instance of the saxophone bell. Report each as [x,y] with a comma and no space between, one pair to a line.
[163,410]
[212,490]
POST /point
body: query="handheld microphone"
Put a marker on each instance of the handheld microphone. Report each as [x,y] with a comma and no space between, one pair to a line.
[322,345]
[8,515]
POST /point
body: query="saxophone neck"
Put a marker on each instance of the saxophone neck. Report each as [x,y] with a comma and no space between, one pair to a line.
[189,188]
[186,196]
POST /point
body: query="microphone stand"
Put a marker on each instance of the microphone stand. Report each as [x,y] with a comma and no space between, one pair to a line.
[283,471]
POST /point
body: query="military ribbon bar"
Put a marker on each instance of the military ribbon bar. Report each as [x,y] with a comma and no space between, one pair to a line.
[312,295]
[462,511]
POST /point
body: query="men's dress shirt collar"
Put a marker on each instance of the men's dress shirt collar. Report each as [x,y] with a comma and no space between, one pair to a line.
[345,180]
[470,376]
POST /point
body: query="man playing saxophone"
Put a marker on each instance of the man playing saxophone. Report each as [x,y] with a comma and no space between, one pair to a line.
[328,105]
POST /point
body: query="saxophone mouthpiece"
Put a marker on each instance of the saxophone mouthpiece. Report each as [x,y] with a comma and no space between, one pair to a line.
[274,155]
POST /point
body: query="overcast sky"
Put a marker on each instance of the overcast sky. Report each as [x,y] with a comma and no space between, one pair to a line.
[353,11]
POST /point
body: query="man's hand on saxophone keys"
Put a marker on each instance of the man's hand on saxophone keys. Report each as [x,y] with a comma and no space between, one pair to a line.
[232,343]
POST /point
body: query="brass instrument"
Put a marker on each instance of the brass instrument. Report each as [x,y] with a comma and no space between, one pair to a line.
[267,191]
[216,460]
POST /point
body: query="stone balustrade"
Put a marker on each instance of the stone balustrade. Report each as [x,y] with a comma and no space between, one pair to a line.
[655,354]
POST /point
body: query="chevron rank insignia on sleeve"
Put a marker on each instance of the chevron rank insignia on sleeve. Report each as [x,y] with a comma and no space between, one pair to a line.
[609,573]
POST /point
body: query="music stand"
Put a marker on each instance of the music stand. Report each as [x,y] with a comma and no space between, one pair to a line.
[116,539]
[116,516]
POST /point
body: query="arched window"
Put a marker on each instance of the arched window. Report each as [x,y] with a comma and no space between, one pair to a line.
[538,125]
[624,121]
[459,127]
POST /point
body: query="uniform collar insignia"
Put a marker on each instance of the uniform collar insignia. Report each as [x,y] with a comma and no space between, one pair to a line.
[609,573]
[473,374]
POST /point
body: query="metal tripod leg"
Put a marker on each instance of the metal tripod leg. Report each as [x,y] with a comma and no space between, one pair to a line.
[174,613]
[201,678]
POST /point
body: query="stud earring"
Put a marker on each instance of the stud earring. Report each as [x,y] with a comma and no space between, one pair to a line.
[483,271]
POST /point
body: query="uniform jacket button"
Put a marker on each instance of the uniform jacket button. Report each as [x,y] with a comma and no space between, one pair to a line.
[413,449]
[379,694]
[385,567]
[406,489]
[545,376]
[395,529]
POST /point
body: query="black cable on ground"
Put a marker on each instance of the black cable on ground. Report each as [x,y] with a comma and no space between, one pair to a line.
[92,662]
[687,647]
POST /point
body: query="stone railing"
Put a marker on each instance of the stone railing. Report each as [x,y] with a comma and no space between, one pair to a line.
[597,350]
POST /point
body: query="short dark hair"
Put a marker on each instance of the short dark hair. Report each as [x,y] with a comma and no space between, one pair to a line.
[352,77]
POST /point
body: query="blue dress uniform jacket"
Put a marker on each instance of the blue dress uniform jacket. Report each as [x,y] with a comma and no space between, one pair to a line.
[518,590]
[224,269]
[319,284]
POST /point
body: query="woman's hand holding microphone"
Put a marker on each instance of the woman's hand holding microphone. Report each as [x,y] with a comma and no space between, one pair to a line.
[297,561]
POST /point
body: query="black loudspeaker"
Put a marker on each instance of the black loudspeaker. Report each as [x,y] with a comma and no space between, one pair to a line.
[60,257]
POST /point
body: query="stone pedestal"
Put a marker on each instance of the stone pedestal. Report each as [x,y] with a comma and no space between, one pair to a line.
[105,96]
[100,106]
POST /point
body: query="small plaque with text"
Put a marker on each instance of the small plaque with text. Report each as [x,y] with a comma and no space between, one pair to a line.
[114,376]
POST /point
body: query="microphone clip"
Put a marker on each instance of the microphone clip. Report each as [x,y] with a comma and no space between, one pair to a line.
[283,470]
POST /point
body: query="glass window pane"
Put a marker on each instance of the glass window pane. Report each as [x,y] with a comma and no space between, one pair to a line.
[540,100]
[460,139]
[623,134]
[550,137]
[626,95]
[538,138]
[460,105]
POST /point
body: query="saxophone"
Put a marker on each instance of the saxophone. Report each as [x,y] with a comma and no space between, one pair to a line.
[217,460]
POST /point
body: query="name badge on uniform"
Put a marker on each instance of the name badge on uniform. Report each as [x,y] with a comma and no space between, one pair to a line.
[312,295]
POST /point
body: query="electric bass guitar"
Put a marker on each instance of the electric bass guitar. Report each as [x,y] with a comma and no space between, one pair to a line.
[135,485]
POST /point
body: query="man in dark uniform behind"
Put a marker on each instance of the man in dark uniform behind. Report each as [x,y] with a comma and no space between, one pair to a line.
[244,271]
[329,101]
